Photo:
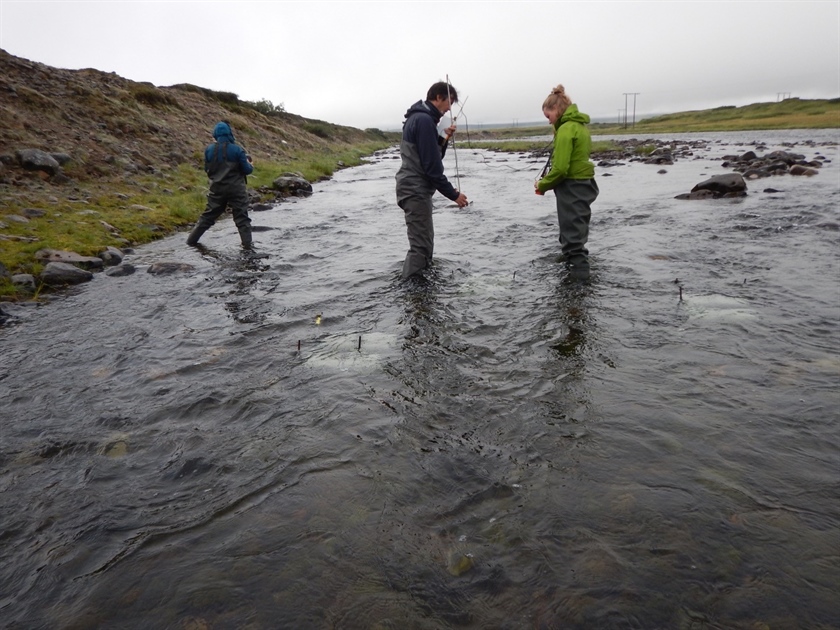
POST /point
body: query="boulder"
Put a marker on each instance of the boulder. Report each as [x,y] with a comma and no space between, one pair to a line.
[798,169]
[111,256]
[723,184]
[61,158]
[291,184]
[59,274]
[37,160]
[55,255]
[24,280]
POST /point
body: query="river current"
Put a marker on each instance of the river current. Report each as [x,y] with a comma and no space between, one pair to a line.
[293,438]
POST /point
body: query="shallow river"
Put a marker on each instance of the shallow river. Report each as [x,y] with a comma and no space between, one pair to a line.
[295,439]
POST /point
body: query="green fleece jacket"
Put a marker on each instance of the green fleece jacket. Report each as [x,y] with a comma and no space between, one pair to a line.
[572,146]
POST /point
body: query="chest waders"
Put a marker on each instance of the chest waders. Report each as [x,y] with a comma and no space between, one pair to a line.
[227,189]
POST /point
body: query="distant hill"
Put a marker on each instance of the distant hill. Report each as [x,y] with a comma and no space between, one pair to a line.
[792,113]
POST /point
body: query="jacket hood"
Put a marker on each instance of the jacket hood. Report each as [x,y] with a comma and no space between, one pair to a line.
[424,107]
[223,133]
[572,114]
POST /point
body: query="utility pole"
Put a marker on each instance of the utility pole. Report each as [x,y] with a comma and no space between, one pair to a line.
[634,95]
[625,110]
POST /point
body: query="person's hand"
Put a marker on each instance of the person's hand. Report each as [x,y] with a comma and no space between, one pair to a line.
[462,200]
[450,131]
[537,189]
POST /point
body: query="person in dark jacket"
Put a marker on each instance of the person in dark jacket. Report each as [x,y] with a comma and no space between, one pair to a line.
[421,173]
[227,165]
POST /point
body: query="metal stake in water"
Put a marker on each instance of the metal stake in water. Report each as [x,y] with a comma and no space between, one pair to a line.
[452,122]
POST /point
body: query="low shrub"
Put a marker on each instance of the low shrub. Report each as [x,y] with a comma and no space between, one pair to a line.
[322,130]
[150,95]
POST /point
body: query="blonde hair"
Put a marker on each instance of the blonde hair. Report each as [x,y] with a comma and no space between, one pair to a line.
[557,100]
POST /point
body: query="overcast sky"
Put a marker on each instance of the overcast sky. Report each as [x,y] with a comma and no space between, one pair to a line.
[363,63]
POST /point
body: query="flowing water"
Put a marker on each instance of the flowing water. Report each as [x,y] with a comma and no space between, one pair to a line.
[293,438]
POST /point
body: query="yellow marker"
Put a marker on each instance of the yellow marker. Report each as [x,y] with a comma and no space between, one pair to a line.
[318,319]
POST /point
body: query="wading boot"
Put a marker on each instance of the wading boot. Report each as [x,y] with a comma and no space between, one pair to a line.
[578,273]
[198,230]
[245,236]
[578,267]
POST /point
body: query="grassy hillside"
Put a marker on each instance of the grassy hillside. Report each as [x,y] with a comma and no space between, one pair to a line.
[792,113]
[135,169]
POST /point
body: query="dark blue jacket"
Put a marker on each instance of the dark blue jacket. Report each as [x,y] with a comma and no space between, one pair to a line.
[225,161]
[421,171]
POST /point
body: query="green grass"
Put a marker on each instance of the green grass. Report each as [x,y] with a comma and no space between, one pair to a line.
[315,165]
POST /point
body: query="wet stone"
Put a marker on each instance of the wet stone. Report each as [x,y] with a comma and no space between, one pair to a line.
[55,255]
[126,269]
[163,268]
[59,273]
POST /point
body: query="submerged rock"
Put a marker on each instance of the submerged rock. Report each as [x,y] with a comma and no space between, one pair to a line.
[163,268]
[125,269]
[459,563]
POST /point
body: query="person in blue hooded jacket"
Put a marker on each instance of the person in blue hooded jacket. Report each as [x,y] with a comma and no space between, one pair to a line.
[227,165]
[421,173]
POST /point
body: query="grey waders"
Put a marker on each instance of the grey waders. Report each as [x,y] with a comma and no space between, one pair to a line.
[574,200]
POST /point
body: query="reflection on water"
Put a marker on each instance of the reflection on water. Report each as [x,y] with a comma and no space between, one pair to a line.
[291,437]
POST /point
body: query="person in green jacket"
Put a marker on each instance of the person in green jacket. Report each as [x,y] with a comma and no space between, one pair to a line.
[572,177]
